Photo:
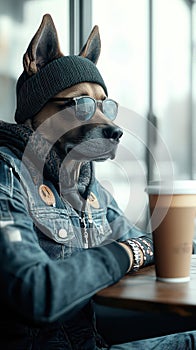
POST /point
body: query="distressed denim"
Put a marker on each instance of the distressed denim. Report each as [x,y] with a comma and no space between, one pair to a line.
[40,266]
[180,341]
[41,269]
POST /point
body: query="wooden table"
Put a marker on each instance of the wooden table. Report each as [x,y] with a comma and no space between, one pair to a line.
[141,291]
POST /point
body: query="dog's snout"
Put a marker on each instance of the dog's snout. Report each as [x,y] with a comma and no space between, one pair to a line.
[112,132]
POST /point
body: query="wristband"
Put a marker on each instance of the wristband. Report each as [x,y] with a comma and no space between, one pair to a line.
[136,254]
[146,246]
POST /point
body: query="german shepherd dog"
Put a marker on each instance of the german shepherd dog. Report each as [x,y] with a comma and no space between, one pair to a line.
[89,136]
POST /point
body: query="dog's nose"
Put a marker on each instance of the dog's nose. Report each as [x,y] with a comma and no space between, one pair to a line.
[112,132]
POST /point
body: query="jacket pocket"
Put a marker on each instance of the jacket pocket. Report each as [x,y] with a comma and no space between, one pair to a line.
[54,223]
[101,230]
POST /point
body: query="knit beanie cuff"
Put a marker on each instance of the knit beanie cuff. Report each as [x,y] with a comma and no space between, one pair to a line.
[33,92]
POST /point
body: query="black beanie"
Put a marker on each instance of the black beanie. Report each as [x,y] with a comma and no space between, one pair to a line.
[33,92]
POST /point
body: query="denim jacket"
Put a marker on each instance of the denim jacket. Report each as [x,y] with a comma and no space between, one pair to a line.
[48,278]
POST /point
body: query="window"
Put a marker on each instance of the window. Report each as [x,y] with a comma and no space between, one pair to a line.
[124,65]
[146,63]
[19,21]
[172,81]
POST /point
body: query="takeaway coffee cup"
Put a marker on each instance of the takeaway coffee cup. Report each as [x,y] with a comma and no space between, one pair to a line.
[173,209]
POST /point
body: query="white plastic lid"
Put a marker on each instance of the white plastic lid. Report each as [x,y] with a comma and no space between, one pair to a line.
[172,187]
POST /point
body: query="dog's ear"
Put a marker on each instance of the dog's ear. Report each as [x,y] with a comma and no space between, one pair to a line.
[43,48]
[92,48]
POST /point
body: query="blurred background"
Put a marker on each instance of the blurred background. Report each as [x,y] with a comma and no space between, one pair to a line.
[148,62]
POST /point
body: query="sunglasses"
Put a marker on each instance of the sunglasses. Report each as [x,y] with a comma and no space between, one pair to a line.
[85,106]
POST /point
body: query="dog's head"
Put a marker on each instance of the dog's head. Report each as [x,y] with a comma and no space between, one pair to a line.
[66,97]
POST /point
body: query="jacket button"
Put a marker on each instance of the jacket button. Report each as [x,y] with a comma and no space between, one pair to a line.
[62,233]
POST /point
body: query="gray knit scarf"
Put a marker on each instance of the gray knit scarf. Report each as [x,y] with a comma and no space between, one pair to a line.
[44,161]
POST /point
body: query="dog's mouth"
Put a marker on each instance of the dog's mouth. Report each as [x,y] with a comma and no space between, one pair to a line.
[92,150]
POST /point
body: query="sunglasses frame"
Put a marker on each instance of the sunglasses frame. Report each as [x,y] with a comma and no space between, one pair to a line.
[97,103]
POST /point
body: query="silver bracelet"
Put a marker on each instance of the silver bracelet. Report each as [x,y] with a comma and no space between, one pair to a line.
[136,254]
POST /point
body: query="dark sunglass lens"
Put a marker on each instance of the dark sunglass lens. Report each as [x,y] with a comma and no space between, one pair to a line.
[110,108]
[85,108]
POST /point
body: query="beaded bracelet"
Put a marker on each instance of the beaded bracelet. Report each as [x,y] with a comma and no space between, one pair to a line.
[136,254]
[146,246]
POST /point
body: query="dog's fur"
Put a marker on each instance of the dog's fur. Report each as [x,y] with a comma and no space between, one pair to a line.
[95,140]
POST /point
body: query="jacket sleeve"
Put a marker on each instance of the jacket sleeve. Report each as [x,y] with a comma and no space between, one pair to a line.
[123,229]
[31,283]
